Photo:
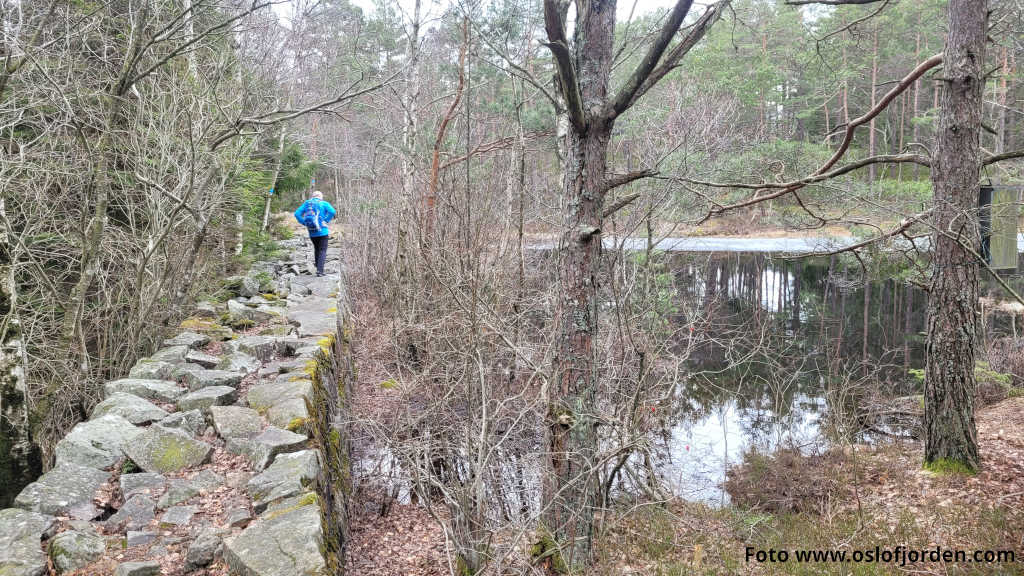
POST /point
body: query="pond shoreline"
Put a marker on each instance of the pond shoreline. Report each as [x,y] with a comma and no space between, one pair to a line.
[804,245]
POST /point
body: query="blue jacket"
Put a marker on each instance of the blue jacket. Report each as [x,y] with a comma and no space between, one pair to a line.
[326,212]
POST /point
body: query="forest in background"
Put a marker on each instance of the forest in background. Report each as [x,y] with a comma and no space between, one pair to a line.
[149,145]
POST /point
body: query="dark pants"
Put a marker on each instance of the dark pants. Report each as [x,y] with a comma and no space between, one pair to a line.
[319,252]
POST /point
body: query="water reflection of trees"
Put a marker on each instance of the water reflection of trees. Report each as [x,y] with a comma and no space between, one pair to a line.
[770,340]
[819,314]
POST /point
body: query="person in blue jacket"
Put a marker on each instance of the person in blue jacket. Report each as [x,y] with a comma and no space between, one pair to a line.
[314,214]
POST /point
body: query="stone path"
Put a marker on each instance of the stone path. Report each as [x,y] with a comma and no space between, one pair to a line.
[198,462]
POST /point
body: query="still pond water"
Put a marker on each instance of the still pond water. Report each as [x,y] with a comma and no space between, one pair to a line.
[783,336]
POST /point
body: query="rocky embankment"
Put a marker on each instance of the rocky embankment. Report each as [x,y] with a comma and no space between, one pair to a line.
[198,461]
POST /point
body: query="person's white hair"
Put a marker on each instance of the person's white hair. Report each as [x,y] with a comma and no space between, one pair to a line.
[317,194]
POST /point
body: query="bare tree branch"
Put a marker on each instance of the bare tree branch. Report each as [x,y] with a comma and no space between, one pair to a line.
[620,205]
[882,104]
[781,189]
[630,90]
[278,116]
[629,94]
[559,46]
[622,179]
[179,50]
[1004,156]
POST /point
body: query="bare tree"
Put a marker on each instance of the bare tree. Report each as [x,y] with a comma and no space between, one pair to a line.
[584,73]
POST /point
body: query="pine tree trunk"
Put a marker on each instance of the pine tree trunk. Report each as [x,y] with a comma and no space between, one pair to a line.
[950,434]
[573,433]
[571,487]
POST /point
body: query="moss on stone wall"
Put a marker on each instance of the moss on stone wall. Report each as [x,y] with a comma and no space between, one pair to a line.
[326,426]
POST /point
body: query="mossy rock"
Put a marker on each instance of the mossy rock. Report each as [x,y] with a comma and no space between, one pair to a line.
[208,327]
[290,475]
[296,529]
[164,451]
[73,550]
[289,414]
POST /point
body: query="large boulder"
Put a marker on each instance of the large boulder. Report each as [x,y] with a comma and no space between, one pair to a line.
[322,286]
[262,347]
[156,390]
[197,377]
[264,447]
[135,514]
[203,550]
[289,475]
[236,421]
[152,369]
[314,316]
[147,483]
[72,550]
[293,366]
[146,568]
[277,330]
[289,414]
[63,487]
[130,407]
[207,480]
[260,300]
[208,327]
[242,313]
[239,362]
[190,422]
[189,339]
[289,345]
[206,309]
[285,387]
[204,398]
[178,491]
[20,534]
[163,450]
[96,443]
[178,516]
[172,354]
[257,550]
[202,358]
[248,286]
[296,287]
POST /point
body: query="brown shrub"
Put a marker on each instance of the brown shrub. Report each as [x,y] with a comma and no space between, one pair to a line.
[786,481]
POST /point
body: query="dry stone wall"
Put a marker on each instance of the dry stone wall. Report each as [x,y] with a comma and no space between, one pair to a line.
[225,448]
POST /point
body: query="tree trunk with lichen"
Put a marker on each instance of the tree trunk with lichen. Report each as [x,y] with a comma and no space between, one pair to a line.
[584,68]
[571,488]
[572,427]
[950,435]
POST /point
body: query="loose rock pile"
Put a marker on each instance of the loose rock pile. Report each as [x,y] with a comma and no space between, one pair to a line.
[198,462]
